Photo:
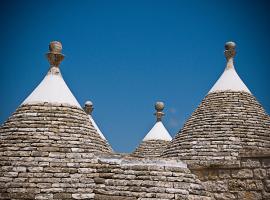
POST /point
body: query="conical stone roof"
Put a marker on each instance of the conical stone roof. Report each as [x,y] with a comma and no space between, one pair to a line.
[228,121]
[156,140]
[52,110]
[47,140]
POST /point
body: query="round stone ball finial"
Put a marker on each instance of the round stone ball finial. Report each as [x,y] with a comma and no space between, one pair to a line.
[88,103]
[230,51]
[159,106]
[230,45]
[55,47]
[88,107]
[55,56]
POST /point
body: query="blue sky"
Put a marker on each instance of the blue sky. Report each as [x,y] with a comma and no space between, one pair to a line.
[126,55]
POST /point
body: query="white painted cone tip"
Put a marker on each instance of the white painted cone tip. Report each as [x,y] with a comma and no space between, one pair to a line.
[96,127]
[229,81]
[158,132]
[52,89]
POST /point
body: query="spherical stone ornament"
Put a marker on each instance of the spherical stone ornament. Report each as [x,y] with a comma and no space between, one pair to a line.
[230,51]
[88,107]
[159,106]
[55,47]
[230,45]
[88,103]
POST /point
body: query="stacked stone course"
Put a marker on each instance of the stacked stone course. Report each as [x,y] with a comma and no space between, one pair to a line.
[224,124]
[46,151]
[151,148]
[226,143]
[246,178]
[132,178]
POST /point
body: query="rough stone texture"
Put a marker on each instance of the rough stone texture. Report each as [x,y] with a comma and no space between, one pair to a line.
[46,152]
[150,148]
[51,151]
[137,178]
[247,178]
[223,125]
[226,143]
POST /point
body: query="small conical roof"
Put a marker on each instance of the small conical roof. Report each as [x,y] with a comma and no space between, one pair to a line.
[53,88]
[156,140]
[229,121]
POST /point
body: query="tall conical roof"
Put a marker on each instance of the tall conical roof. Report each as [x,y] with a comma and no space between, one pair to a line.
[156,140]
[228,121]
[48,144]
[51,111]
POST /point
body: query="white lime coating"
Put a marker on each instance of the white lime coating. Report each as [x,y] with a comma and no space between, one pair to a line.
[229,81]
[96,127]
[52,89]
[158,132]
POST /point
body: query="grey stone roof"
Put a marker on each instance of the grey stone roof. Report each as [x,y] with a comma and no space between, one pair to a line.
[62,128]
[224,124]
[50,151]
[150,148]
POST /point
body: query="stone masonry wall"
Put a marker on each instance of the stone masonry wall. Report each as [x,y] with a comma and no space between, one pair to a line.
[146,179]
[244,179]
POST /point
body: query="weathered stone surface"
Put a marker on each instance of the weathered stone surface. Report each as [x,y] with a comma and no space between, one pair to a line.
[224,125]
[243,173]
[141,178]
[150,148]
[38,143]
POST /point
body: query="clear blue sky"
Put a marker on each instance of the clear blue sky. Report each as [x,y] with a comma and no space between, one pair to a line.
[126,55]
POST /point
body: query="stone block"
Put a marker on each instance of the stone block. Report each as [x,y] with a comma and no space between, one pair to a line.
[266,162]
[259,173]
[83,196]
[247,195]
[242,174]
[62,196]
[44,196]
[224,174]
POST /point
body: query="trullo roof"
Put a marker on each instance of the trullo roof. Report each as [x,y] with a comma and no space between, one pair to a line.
[157,139]
[228,121]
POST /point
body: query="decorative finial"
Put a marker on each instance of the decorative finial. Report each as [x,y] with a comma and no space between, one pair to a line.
[88,107]
[159,106]
[230,52]
[55,56]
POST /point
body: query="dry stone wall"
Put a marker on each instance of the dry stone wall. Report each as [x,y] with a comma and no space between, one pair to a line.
[146,179]
[245,179]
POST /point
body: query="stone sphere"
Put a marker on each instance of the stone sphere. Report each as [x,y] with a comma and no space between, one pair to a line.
[55,47]
[230,45]
[159,106]
[88,103]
